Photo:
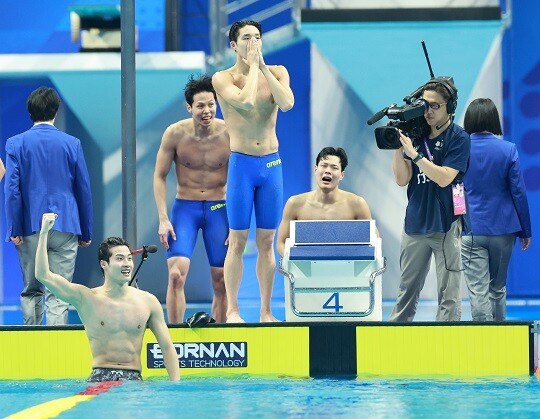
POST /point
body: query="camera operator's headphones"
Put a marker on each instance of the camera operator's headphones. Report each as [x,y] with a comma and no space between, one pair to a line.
[451,104]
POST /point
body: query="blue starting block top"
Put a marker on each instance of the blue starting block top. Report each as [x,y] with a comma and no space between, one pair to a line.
[332,232]
[336,252]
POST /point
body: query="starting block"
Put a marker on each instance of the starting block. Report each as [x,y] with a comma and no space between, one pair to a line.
[332,271]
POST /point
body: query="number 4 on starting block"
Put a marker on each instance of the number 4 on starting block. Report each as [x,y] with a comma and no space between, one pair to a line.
[333,298]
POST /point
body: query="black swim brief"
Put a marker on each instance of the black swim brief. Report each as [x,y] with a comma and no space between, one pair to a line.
[113,374]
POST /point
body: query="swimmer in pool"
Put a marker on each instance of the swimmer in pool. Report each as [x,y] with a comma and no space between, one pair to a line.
[114,315]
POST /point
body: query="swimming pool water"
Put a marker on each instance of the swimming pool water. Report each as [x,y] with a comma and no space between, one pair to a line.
[261,397]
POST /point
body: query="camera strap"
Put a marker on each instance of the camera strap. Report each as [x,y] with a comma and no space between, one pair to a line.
[427,150]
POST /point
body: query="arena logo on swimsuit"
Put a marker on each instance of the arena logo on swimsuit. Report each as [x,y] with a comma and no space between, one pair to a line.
[202,355]
[273,163]
[217,206]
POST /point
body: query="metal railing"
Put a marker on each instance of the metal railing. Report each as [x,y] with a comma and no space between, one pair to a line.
[221,11]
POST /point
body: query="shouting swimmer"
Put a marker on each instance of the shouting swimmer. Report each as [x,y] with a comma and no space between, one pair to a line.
[327,201]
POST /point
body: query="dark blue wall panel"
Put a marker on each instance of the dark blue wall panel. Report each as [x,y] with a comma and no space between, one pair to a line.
[521,72]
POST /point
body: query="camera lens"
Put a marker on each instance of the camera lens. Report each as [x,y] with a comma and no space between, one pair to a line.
[391,136]
[387,138]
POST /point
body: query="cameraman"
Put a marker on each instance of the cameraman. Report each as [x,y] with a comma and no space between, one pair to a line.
[432,168]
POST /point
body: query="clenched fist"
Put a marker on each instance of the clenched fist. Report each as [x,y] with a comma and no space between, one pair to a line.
[47,221]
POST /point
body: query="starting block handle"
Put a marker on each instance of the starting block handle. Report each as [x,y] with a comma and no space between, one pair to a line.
[370,289]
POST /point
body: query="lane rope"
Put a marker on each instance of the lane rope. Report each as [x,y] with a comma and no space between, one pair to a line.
[53,408]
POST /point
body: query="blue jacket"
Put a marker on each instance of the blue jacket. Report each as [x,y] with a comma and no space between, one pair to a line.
[495,188]
[46,172]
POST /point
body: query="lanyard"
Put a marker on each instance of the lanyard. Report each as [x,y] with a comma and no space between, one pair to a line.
[427,151]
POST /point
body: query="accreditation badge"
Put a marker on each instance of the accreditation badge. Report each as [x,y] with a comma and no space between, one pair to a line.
[458,196]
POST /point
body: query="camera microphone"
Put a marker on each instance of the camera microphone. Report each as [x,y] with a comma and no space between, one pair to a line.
[151,248]
[377,116]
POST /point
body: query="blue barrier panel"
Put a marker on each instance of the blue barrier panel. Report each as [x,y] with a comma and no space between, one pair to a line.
[332,232]
[338,252]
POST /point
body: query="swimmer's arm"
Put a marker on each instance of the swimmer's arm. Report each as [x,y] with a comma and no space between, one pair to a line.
[363,212]
[2,169]
[164,159]
[289,214]
[157,325]
[57,284]
[239,98]
[280,87]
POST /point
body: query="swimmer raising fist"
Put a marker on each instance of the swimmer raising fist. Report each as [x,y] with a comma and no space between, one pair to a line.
[47,221]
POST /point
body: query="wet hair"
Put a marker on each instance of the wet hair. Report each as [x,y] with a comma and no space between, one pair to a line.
[236,26]
[197,85]
[43,104]
[104,250]
[331,151]
[481,116]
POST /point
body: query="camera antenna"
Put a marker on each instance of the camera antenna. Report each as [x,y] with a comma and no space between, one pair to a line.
[407,99]
[414,95]
[427,59]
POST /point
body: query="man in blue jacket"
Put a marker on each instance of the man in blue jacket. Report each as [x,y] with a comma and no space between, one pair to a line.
[46,172]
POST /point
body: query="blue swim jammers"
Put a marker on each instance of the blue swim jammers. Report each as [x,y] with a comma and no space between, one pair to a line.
[187,217]
[254,181]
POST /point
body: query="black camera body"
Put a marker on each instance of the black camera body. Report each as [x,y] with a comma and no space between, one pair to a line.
[409,119]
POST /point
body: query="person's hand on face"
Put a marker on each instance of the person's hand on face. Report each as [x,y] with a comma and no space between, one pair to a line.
[253,52]
[259,49]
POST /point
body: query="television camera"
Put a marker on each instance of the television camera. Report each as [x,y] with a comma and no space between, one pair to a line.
[408,118]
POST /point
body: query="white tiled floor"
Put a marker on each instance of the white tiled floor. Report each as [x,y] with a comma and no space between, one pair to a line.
[517,309]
